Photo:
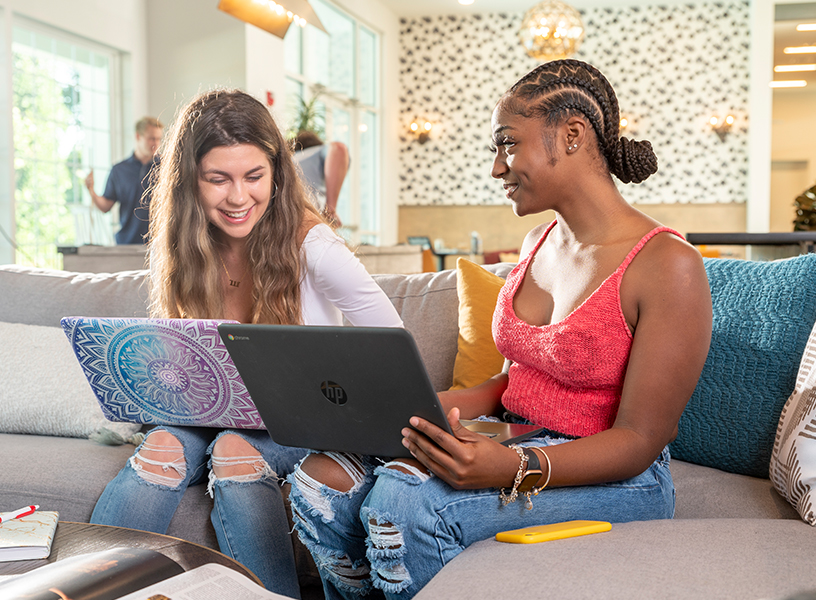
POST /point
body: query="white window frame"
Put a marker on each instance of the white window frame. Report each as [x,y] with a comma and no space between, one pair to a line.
[355,108]
[116,108]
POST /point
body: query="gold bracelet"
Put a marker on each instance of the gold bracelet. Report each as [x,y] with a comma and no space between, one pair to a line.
[537,491]
[505,499]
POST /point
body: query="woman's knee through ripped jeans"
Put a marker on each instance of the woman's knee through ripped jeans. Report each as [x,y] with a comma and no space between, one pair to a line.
[392,531]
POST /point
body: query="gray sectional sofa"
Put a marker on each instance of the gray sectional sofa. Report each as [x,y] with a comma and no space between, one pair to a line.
[733,535]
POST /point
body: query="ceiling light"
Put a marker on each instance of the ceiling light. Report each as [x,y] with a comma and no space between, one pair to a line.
[806,27]
[465,2]
[272,16]
[800,50]
[793,83]
[794,68]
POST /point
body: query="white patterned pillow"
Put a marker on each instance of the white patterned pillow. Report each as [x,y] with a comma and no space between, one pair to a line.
[793,461]
[42,388]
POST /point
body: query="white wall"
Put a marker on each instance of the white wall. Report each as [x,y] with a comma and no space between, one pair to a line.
[265,69]
[794,128]
[192,47]
[119,24]
[793,169]
[758,216]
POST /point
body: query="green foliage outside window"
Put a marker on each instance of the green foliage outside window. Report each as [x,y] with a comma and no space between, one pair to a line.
[46,158]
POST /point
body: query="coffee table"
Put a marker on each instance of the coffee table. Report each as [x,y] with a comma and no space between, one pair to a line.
[72,539]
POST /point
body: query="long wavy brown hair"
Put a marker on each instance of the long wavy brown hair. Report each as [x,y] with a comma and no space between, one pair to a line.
[184,262]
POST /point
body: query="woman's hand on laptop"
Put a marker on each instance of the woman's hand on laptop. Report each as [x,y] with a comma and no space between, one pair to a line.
[465,460]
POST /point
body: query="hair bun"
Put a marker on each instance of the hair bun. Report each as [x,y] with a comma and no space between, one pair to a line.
[634,160]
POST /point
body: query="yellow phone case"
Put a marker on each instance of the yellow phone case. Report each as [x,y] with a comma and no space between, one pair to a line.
[555,531]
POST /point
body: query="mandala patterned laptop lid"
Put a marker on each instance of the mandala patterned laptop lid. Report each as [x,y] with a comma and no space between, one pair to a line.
[162,371]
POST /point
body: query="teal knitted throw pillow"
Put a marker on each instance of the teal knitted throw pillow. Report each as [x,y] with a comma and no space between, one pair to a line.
[763,314]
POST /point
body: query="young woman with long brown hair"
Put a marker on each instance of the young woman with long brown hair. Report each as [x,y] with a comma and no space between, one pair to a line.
[233,236]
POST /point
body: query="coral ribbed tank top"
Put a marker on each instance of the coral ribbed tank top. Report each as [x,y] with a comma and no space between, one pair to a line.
[567,376]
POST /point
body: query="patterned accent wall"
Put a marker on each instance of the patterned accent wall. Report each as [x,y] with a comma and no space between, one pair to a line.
[673,67]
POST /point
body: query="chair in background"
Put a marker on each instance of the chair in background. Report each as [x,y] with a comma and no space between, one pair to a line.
[436,253]
[430,261]
[499,256]
[91,227]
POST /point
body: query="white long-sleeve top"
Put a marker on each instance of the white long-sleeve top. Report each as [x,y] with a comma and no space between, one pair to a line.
[336,284]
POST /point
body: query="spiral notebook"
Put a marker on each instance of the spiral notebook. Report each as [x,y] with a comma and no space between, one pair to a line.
[161,372]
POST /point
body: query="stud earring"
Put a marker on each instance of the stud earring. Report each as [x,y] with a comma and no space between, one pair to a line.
[573,147]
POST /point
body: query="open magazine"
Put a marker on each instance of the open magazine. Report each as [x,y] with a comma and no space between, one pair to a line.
[131,574]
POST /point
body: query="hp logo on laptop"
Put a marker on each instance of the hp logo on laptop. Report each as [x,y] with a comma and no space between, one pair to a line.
[334,393]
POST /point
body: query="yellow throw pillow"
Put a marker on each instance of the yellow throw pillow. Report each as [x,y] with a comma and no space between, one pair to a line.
[477,359]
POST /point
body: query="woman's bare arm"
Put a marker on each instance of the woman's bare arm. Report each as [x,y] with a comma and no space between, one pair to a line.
[668,287]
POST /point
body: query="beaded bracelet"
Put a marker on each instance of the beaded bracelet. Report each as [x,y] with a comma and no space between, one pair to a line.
[505,499]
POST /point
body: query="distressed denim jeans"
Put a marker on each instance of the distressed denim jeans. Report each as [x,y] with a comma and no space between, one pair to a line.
[248,511]
[392,532]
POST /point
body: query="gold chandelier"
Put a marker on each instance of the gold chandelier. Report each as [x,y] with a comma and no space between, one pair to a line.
[551,30]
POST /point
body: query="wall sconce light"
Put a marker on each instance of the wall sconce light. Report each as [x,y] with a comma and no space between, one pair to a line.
[721,126]
[421,128]
[630,124]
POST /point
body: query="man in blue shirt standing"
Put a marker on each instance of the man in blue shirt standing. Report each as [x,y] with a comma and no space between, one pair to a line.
[129,180]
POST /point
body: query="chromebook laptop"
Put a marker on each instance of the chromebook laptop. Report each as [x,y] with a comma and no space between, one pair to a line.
[161,371]
[349,389]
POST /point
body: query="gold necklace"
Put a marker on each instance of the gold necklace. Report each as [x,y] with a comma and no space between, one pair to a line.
[232,282]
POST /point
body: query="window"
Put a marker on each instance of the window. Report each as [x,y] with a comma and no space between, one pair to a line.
[62,114]
[342,70]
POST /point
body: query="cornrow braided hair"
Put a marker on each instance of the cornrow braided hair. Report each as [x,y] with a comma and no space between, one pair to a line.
[558,90]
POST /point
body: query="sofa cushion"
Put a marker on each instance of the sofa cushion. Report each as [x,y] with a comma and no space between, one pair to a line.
[69,474]
[705,493]
[62,474]
[429,308]
[477,358]
[44,390]
[793,462]
[763,314]
[44,296]
[667,559]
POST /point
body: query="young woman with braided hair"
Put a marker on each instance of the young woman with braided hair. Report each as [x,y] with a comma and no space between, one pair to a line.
[605,324]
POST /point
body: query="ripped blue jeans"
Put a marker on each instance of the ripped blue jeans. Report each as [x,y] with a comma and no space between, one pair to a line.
[248,512]
[392,531]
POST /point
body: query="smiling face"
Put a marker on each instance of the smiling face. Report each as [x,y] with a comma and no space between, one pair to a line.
[147,143]
[234,188]
[526,160]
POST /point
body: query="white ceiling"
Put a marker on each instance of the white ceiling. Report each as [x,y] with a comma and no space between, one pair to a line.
[785,34]
[414,8]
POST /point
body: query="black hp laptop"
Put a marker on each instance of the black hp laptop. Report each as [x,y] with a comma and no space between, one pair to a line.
[350,389]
